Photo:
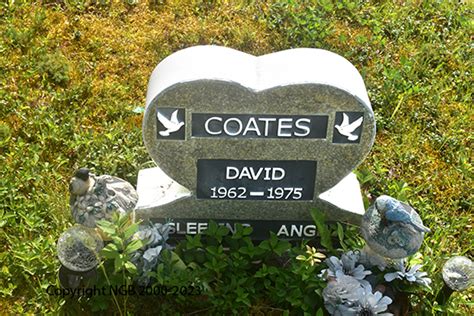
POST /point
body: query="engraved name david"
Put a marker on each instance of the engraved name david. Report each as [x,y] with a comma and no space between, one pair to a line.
[266,174]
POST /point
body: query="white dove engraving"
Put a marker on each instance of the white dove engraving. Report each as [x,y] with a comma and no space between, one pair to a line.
[172,125]
[347,128]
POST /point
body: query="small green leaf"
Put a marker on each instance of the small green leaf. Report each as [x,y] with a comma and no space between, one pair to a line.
[132,229]
[281,247]
[177,262]
[265,245]
[273,240]
[133,246]
[118,263]
[247,231]
[193,242]
[130,267]
[222,231]
[123,220]
[211,228]
[110,251]
[117,241]
[107,227]
[324,233]
[340,235]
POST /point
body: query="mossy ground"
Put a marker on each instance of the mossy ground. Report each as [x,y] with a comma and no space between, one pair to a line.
[72,72]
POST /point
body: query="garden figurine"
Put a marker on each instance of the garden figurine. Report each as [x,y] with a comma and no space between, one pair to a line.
[97,197]
[78,251]
[392,229]
[458,275]
[146,259]
[78,248]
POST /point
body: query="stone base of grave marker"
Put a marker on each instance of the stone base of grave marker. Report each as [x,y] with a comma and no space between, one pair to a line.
[162,199]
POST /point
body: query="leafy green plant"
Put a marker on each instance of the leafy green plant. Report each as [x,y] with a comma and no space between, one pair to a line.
[122,246]
[54,68]
[238,274]
[118,268]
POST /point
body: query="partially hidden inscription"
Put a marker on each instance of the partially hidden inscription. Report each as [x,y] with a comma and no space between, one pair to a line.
[270,180]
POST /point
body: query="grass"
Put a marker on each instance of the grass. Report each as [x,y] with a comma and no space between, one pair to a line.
[73,71]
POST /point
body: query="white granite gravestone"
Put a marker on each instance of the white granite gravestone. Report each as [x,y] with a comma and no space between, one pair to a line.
[255,140]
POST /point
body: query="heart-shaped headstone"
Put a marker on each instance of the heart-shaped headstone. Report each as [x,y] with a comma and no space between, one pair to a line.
[208,106]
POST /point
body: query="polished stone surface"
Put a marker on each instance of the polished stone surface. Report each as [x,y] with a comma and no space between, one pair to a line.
[203,81]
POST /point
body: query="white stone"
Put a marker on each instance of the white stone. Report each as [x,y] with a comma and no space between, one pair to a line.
[257,72]
[155,188]
[346,195]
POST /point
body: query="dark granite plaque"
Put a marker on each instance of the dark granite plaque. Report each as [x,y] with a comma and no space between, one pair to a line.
[270,180]
[170,124]
[259,126]
[288,229]
[348,127]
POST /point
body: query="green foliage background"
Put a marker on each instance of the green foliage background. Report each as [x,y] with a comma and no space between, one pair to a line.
[73,71]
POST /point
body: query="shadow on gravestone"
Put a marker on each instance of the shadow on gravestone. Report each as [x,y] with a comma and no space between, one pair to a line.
[254,140]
